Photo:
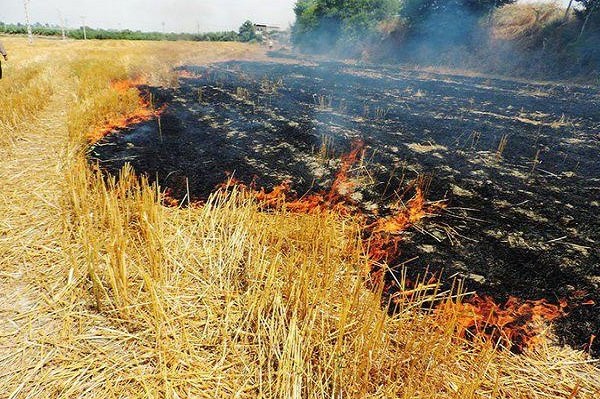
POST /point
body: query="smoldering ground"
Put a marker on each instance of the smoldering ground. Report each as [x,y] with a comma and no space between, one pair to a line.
[521,218]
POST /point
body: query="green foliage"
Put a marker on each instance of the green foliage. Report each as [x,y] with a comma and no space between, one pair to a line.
[590,9]
[247,32]
[416,12]
[321,24]
[588,5]
[104,34]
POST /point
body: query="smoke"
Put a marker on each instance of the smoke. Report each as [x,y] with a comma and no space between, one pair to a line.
[532,40]
[437,38]
[416,27]
[337,26]
[321,38]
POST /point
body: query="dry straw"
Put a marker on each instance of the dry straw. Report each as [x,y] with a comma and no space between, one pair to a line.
[106,294]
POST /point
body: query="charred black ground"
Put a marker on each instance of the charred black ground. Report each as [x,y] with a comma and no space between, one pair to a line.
[524,223]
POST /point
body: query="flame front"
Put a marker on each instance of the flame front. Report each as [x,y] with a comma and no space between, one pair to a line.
[516,325]
[386,232]
[140,112]
[337,198]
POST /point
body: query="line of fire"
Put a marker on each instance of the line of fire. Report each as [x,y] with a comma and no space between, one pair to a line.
[456,180]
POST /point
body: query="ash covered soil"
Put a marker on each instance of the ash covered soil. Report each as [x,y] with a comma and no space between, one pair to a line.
[518,162]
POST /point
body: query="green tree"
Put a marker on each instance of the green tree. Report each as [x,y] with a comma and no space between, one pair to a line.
[417,12]
[321,24]
[588,7]
[589,10]
[589,13]
[247,32]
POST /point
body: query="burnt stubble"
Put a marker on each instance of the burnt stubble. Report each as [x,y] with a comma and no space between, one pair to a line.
[518,162]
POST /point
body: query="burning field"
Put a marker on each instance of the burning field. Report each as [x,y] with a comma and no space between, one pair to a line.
[489,181]
[315,226]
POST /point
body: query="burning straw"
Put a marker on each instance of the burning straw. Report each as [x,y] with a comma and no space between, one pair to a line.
[130,108]
[515,325]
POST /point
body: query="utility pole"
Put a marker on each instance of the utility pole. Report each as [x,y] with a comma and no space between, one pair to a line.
[198,27]
[62,24]
[568,9]
[27,21]
[163,27]
[83,24]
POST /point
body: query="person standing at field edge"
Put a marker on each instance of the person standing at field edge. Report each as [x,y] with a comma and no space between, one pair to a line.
[3,52]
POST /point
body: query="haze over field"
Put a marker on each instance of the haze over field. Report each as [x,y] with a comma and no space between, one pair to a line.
[148,15]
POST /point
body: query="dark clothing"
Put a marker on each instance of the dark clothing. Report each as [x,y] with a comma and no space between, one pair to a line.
[3,53]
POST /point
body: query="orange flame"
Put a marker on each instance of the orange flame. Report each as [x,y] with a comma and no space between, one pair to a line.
[124,85]
[342,187]
[386,232]
[168,199]
[337,198]
[141,113]
[184,73]
[414,211]
[516,325]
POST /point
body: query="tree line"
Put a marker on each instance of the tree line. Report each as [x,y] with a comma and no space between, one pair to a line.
[246,33]
[324,24]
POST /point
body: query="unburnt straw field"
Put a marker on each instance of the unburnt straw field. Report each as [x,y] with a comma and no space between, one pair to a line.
[511,169]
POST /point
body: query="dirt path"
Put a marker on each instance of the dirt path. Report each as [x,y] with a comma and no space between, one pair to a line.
[30,240]
[45,324]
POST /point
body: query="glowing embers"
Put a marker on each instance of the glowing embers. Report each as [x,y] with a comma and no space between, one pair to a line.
[516,325]
[129,105]
[337,198]
[187,74]
[385,233]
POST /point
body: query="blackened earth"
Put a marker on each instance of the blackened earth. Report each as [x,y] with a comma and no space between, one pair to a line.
[524,222]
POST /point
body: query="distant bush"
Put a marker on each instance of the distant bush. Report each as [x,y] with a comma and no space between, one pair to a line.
[322,25]
[418,12]
[525,23]
[497,36]
[591,9]
[542,40]
[247,32]
[104,34]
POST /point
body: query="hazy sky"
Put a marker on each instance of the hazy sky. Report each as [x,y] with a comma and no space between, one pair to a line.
[148,15]
[178,15]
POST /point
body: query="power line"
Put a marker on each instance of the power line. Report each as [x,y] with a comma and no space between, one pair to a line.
[62,24]
[27,21]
